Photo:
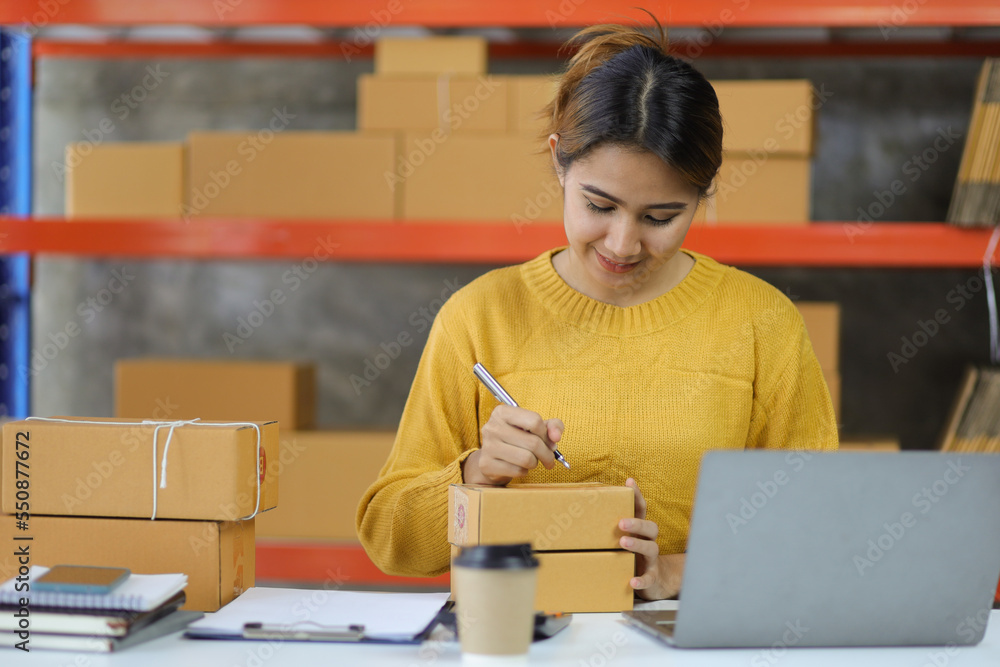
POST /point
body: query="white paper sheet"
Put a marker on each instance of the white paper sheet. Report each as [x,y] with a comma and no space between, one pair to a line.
[387,616]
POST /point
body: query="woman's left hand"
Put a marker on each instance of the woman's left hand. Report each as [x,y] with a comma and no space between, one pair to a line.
[657,576]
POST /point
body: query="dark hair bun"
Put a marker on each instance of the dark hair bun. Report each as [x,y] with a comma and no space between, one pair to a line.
[623,86]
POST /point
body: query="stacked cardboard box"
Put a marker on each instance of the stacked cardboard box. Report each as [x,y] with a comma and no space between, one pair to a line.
[768,144]
[436,135]
[450,160]
[975,201]
[453,55]
[329,470]
[974,422]
[267,173]
[282,391]
[218,557]
[573,529]
[290,174]
[318,469]
[81,489]
[123,180]
[466,150]
[822,321]
[454,151]
[438,139]
[323,476]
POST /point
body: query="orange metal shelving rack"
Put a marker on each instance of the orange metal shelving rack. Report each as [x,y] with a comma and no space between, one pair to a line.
[818,244]
[510,13]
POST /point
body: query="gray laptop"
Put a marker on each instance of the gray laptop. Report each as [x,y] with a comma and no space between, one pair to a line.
[837,549]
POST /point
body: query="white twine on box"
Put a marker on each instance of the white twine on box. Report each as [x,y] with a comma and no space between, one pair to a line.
[170,434]
[166,447]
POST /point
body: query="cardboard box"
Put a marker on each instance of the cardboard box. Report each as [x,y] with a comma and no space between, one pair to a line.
[773,116]
[528,96]
[769,116]
[774,189]
[113,470]
[552,517]
[585,581]
[454,103]
[430,55]
[124,180]
[468,177]
[283,391]
[217,557]
[581,581]
[329,470]
[859,443]
[822,319]
[290,174]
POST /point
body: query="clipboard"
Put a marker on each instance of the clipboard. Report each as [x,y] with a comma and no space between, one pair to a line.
[351,633]
[322,615]
[332,633]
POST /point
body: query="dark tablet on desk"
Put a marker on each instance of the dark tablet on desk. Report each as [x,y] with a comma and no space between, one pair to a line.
[80,579]
[546,625]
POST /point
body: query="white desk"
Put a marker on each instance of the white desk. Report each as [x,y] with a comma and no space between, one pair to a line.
[591,640]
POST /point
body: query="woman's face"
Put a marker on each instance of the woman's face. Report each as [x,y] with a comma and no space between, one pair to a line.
[626,214]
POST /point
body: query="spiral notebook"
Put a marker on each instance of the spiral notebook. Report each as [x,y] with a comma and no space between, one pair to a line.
[173,622]
[140,592]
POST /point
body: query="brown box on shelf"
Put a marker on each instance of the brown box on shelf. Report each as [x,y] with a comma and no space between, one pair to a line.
[581,581]
[124,180]
[822,320]
[330,470]
[552,517]
[529,94]
[283,391]
[759,189]
[858,443]
[763,116]
[466,177]
[431,55]
[80,468]
[768,116]
[291,175]
[454,103]
[217,557]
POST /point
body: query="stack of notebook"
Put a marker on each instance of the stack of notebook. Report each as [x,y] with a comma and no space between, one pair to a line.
[976,198]
[974,424]
[142,608]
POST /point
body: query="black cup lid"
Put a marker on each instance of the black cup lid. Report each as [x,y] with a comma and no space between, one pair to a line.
[497,557]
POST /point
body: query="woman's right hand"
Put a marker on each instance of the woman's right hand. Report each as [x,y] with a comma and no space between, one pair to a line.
[514,441]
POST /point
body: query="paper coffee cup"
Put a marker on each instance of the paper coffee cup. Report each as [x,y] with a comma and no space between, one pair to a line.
[495,602]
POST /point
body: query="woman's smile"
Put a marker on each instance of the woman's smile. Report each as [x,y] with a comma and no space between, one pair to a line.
[614,267]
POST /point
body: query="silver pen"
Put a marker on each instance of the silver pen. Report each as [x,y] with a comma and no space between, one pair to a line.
[501,395]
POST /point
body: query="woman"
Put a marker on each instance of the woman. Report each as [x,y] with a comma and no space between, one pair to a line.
[633,355]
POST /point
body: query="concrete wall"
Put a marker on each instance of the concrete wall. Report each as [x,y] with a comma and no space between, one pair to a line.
[880,112]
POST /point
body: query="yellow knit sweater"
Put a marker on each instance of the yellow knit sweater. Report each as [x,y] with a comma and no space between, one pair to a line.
[721,361]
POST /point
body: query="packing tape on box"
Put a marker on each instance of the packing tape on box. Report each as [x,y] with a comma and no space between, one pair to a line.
[171,425]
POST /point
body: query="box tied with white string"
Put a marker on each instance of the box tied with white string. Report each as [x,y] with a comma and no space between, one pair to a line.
[151,469]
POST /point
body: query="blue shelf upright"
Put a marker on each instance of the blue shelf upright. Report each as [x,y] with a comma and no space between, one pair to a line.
[15,199]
